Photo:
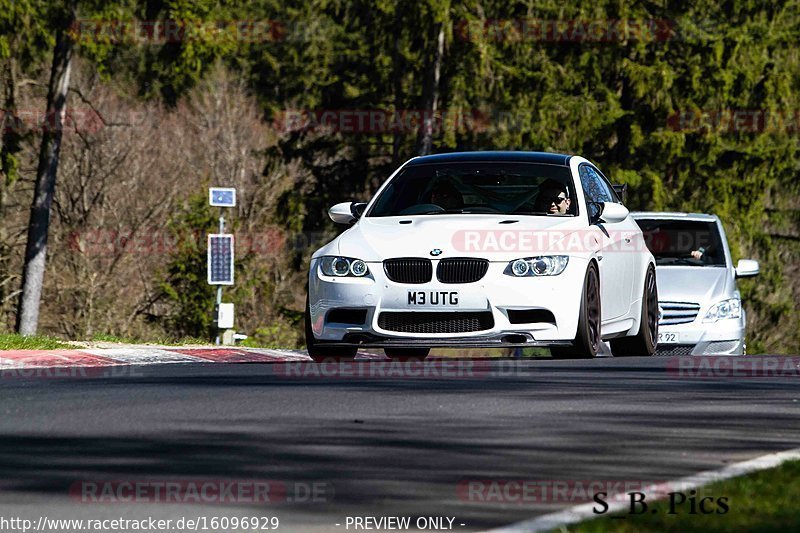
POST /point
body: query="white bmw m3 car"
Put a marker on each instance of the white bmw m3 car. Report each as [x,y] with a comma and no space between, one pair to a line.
[485,249]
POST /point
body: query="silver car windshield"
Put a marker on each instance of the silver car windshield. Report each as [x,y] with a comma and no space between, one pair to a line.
[469,187]
[683,242]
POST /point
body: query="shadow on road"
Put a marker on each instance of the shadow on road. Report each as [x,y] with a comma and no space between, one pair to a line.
[388,445]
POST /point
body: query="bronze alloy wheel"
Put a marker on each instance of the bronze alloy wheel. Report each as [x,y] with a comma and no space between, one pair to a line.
[587,337]
[644,342]
[652,306]
[593,309]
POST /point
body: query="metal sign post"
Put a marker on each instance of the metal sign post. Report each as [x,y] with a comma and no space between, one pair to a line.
[220,263]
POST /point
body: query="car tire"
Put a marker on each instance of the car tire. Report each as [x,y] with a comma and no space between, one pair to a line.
[407,354]
[644,342]
[587,339]
[325,353]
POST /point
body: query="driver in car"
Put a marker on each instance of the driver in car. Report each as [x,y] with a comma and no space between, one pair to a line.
[553,198]
[705,254]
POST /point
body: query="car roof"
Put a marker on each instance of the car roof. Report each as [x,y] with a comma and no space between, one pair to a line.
[670,215]
[520,157]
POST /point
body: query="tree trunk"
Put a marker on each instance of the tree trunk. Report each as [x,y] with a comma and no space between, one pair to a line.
[430,94]
[9,144]
[39,225]
[397,80]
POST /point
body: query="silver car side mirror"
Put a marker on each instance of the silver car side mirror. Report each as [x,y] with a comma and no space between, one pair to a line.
[747,268]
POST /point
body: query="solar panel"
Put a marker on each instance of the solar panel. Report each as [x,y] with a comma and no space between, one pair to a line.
[222,196]
[220,259]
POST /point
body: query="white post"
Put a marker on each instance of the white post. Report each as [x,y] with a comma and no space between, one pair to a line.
[219,287]
[222,197]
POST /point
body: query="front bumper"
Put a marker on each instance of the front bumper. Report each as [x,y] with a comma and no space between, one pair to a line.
[724,337]
[495,293]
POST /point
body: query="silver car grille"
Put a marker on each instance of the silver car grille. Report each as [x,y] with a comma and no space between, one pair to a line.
[677,312]
[675,349]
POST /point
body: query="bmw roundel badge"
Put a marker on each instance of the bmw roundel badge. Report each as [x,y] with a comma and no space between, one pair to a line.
[436,251]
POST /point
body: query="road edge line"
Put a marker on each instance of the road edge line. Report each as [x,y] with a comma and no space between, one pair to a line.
[584,511]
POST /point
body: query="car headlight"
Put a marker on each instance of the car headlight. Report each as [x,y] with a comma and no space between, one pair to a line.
[343,266]
[731,308]
[547,265]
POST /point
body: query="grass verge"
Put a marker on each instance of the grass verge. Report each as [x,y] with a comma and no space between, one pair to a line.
[12,341]
[163,341]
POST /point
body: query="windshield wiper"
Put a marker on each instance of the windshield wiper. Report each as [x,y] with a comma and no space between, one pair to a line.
[441,212]
[678,261]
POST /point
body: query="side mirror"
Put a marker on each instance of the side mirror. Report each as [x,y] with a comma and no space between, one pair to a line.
[621,190]
[613,212]
[342,213]
[595,210]
[747,268]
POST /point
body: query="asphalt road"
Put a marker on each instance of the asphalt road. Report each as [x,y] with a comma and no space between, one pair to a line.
[376,446]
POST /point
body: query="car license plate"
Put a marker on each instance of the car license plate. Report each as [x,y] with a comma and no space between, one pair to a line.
[433,298]
[667,338]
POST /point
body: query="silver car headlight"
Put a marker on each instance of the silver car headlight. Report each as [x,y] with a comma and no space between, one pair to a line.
[546,265]
[730,308]
[340,267]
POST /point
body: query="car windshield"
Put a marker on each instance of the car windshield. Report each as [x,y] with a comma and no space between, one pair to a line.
[683,242]
[469,187]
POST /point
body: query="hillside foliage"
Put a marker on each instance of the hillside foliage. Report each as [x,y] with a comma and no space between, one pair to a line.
[694,106]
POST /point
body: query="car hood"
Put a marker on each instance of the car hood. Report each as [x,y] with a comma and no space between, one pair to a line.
[703,285]
[492,237]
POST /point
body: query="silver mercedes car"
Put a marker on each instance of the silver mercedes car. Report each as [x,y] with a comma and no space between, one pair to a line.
[700,308]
